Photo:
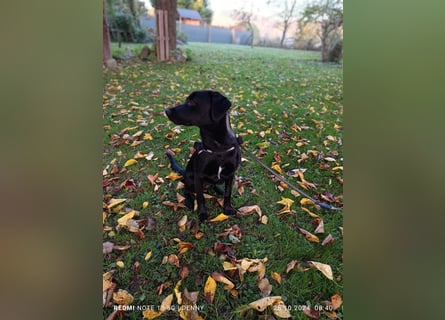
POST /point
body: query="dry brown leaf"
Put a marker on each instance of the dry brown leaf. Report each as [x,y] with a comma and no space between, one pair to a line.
[309,236]
[182,223]
[184,246]
[265,287]
[173,260]
[324,268]
[320,227]
[122,297]
[281,310]
[291,265]
[188,310]
[248,210]
[314,314]
[184,272]
[328,240]
[261,304]
[336,301]
[221,278]
[107,247]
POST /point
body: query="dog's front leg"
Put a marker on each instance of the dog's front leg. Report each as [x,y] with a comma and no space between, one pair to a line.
[202,211]
[228,209]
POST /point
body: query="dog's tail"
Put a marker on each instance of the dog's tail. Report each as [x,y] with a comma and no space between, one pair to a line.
[174,164]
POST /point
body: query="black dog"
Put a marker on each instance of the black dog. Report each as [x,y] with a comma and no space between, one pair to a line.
[218,155]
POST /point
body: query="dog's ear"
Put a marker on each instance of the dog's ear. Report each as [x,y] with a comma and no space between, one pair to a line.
[220,105]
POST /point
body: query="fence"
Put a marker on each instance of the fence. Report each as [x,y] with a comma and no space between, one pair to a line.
[205,33]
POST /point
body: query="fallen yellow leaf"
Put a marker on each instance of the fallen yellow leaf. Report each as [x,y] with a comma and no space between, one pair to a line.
[178,293]
[130,162]
[148,256]
[139,155]
[115,202]
[277,168]
[150,314]
[210,289]
[313,215]
[166,303]
[305,201]
[120,264]
[219,218]
[276,276]
[174,176]
[287,203]
[123,220]
[228,266]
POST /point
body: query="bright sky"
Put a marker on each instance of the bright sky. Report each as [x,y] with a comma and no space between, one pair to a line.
[259,6]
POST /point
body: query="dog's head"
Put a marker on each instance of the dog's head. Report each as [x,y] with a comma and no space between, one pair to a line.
[201,108]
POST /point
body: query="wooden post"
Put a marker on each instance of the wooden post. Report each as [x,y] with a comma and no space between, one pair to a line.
[162,46]
[166,28]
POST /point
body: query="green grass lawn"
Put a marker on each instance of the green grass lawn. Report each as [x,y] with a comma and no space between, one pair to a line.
[288,107]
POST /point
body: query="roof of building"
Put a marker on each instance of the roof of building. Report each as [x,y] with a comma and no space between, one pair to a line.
[189,14]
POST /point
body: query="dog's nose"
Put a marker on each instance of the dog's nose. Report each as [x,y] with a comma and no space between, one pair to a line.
[168,112]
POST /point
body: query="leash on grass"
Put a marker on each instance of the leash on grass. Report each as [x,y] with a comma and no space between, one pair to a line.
[282,179]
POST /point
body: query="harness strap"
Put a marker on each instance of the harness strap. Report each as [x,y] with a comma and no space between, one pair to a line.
[210,151]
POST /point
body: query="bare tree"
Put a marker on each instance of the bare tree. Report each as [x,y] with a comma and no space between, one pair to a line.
[244,17]
[287,14]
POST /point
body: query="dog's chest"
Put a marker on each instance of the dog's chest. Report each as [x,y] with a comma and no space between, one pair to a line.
[215,171]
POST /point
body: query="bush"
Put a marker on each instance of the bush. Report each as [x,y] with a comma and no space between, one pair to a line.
[336,52]
[128,28]
[139,35]
[181,36]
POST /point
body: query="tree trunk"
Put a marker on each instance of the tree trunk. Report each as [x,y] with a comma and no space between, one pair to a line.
[324,41]
[107,57]
[283,35]
[106,37]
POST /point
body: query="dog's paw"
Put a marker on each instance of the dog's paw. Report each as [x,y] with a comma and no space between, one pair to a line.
[203,216]
[190,202]
[230,211]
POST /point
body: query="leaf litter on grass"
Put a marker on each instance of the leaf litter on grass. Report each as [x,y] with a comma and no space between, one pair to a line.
[288,109]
